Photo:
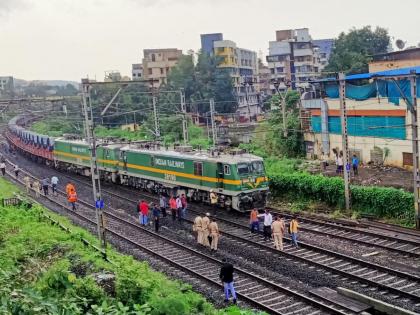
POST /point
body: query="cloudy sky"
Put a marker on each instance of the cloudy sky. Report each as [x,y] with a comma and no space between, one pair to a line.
[70,39]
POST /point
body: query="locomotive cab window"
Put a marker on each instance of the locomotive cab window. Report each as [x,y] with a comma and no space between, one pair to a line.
[198,168]
[226,169]
[243,169]
[152,160]
[257,167]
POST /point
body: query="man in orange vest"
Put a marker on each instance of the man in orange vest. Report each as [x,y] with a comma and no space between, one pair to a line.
[72,198]
[253,221]
[69,188]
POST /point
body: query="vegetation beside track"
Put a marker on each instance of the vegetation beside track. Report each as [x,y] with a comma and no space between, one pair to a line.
[288,180]
[45,270]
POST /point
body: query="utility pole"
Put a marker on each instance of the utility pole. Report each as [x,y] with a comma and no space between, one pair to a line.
[94,170]
[184,117]
[415,142]
[213,124]
[283,113]
[155,115]
[343,111]
[246,84]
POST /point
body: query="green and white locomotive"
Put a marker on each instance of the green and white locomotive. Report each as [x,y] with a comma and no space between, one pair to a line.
[238,179]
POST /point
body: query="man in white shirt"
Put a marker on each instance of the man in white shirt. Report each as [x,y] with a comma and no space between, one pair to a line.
[268,220]
[54,183]
[179,208]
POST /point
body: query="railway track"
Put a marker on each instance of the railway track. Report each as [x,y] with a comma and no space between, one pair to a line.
[385,280]
[406,243]
[252,288]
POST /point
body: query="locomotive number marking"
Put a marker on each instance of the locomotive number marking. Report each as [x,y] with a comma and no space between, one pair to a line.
[170,177]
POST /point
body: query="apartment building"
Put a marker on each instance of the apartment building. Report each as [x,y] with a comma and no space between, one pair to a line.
[325,48]
[156,65]
[293,60]
[242,65]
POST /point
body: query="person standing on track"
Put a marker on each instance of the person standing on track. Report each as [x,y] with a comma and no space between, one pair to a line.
[213,198]
[156,215]
[72,198]
[197,227]
[278,231]
[205,226]
[163,204]
[54,183]
[184,205]
[172,205]
[293,230]
[179,208]
[226,276]
[268,220]
[27,181]
[3,168]
[253,221]
[45,185]
[214,234]
[37,187]
[16,170]
[144,209]
[69,188]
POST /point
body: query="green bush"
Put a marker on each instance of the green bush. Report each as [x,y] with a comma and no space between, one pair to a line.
[382,202]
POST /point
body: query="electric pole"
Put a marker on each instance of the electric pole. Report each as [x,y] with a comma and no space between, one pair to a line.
[184,117]
[94,170]
[156,118]
[213,124]
[343,111]
[415,141]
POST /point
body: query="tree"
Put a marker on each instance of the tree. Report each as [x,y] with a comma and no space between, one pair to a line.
[353,51]
[203,81]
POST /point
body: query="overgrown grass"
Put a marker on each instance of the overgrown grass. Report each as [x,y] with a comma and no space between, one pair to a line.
[45,270]
[7,189]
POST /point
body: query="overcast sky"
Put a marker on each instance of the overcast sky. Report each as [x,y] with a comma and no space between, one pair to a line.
[70,39]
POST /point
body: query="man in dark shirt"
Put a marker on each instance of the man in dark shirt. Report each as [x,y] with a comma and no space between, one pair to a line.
[226,275]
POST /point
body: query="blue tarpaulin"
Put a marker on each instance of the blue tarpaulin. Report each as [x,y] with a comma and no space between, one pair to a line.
[384,88]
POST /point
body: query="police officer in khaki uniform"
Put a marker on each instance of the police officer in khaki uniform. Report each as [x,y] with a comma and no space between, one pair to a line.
[205,222]
[214,234]
[277,228]
[197,227]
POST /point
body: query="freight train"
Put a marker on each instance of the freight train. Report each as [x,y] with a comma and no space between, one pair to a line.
[239,180]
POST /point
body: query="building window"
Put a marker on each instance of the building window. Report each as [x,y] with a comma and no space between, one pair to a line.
[279,69]
[150,71]
[161,71]
[272,70]
[226,169]
[198,168]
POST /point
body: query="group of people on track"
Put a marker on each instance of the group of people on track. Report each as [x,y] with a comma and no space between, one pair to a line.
[43,185]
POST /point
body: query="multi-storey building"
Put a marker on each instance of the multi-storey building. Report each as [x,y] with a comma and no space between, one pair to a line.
[156,65]
[325,47]
[293,60]
[242,65]
[137,71]
[6,86]
[264,74]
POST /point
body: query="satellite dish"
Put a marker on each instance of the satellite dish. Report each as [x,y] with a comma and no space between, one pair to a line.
[400,43]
